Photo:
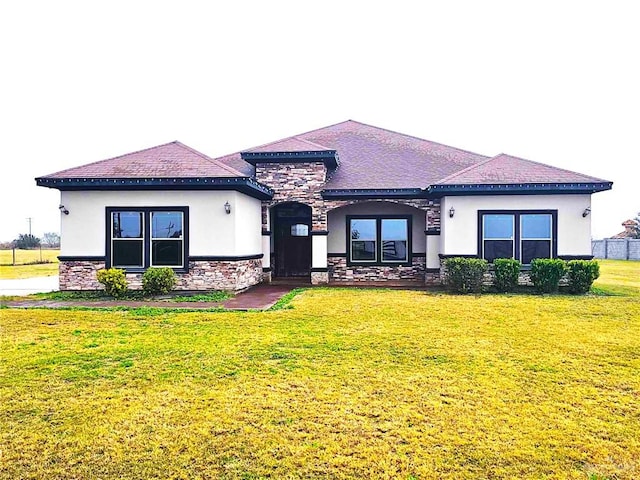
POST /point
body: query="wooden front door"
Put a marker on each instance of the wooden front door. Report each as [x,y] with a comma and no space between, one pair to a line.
[292,240]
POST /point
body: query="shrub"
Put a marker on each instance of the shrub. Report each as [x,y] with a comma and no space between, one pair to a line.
[582,274]
[114,281]
[464,275]
[546,273]
[158,280]
[507,271]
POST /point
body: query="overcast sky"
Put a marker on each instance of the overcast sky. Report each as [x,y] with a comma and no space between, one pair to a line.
[556,82]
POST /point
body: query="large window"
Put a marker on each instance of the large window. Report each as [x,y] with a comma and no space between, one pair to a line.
[146,237]
[523,235]
[379,240]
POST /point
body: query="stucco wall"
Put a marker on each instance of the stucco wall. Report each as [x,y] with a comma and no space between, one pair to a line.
[211,230]
[337,223]
[459,235]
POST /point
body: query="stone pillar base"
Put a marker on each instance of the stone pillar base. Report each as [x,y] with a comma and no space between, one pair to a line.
[319,278]
[266,275]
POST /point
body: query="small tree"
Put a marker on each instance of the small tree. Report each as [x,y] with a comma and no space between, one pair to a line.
[51,239]
[636,227]
[26,241]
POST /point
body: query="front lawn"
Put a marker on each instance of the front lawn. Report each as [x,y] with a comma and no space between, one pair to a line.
[347,384]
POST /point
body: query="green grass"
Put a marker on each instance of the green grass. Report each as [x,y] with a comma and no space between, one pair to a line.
[346,384]
[29,263]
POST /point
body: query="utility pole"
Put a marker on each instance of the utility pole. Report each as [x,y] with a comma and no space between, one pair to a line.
[29,220]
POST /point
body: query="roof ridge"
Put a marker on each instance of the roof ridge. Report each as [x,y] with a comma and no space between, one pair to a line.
[209,159]
[465,170]
[311,143]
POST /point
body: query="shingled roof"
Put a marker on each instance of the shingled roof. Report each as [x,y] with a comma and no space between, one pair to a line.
[164,161]
[370,158]
[507,169]
[374,158]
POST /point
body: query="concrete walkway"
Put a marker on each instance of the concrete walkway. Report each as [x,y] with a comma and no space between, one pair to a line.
[260,297]
[27,286]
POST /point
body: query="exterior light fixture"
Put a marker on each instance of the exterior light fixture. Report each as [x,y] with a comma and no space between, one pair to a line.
[586,212]
[227,208]
[452,212]
[63,210]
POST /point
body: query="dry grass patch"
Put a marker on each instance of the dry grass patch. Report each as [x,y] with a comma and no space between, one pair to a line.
[347,384]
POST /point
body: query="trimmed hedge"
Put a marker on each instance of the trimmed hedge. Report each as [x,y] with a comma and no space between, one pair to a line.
[464,275]
[507,271]
[158,280]
[582,274]
[114,281]
[546,274]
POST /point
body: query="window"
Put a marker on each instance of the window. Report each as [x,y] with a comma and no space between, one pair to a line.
[379,240]
[523,235]
[144,237]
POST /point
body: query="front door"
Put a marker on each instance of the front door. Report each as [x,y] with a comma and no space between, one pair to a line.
[292,240]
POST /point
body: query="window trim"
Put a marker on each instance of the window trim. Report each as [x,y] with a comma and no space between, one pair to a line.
[146,238]
[378,260]
[517,239]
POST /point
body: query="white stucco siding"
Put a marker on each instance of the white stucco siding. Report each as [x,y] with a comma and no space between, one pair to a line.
[212,232]
[248,224]
[336,222]
[459,235]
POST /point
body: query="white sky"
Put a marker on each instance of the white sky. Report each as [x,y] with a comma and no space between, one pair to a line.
[552,81]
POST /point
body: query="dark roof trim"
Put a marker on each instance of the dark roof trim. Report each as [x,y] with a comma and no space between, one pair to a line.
[521,188]
[241,184]
[328,157]
[374,193]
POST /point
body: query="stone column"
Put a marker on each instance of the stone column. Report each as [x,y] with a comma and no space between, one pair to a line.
[319,269]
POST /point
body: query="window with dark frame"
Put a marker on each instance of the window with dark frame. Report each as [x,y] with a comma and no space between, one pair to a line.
[379,240]
[523,235]
[146,237]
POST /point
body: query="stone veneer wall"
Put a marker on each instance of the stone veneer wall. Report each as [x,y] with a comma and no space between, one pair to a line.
[79,275]
[295,182]
[339,272]
[303,183]
[202,275]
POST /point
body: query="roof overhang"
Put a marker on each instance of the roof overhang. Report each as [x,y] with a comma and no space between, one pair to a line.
[519,188]
[344,194]
[244,185]
[328,157]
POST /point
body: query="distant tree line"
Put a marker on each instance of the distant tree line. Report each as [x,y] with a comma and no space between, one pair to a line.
[26,241]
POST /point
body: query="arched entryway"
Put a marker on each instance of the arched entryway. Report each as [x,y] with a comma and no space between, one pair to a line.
[292,240]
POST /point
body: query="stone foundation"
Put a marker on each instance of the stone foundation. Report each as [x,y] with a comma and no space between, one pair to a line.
[319,278]
[202,275]
[339,272]
[80,275]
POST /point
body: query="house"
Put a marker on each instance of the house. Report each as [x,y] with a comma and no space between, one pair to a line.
[629,229]
[348,203]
